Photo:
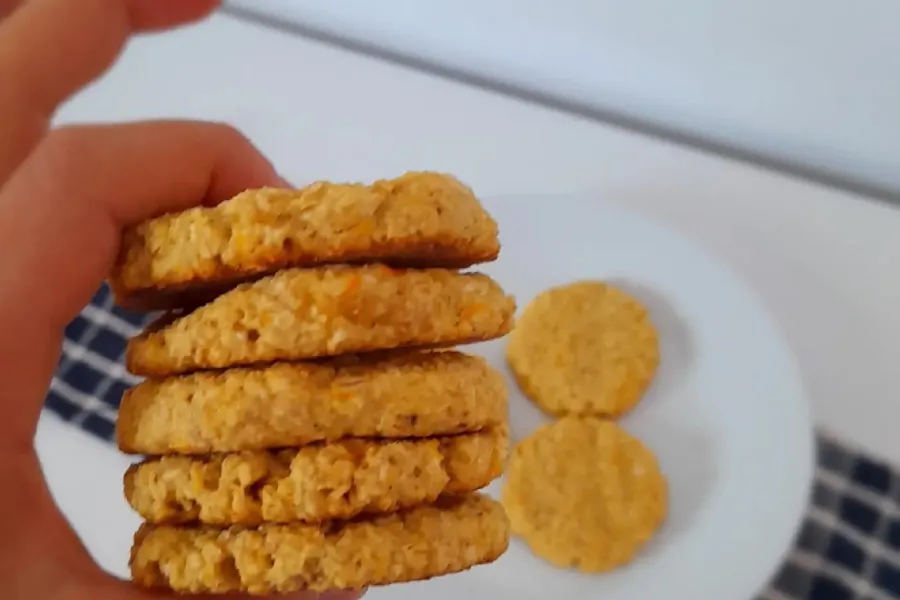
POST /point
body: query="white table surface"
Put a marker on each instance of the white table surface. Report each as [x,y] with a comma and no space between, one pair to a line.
[805,82]
[824,261]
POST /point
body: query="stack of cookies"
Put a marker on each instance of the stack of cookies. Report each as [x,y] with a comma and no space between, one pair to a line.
[307,422]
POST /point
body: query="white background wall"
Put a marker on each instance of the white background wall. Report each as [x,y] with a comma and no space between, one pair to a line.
[815,83]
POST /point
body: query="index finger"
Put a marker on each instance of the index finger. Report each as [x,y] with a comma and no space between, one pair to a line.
[50,49]
[83,185]
[61,216]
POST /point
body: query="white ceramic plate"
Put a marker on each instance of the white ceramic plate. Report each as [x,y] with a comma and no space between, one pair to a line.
[726,414]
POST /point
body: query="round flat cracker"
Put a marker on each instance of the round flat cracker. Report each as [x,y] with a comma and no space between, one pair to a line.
[586,348]
[584,493]
[449,536]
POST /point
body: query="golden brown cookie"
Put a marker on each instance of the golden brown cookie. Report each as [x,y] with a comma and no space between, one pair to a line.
[309,313]
[411,394]
[450,536]
[314,483]
[586,348]
[418,219]
[584,493]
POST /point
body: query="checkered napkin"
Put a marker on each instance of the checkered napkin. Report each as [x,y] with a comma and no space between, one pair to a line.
[848,548]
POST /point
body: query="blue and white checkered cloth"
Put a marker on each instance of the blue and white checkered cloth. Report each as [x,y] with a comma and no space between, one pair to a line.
[848,549]
[91,377]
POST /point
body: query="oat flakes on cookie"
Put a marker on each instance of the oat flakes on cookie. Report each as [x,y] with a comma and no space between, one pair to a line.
[587,348]
[300,314]
[413,394]
[420,219]
[306,421]
[584,493]
[449,536]
[316,482]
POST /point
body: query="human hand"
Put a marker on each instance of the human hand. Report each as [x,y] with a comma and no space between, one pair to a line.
[65,195]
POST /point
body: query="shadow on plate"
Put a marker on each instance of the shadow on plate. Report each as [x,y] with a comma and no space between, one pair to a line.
[687,458]
[676,345]
[524,415]
[686,451]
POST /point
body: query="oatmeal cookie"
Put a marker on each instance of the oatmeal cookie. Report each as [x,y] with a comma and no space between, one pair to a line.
[309,313]
[314,483]
[395,395]
[420,219]
[452,535]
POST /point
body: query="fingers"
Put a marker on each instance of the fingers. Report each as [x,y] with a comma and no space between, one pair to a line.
[50,49]
[7,7]
[83,184]
[60,221]
[135,171]
[150,15]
